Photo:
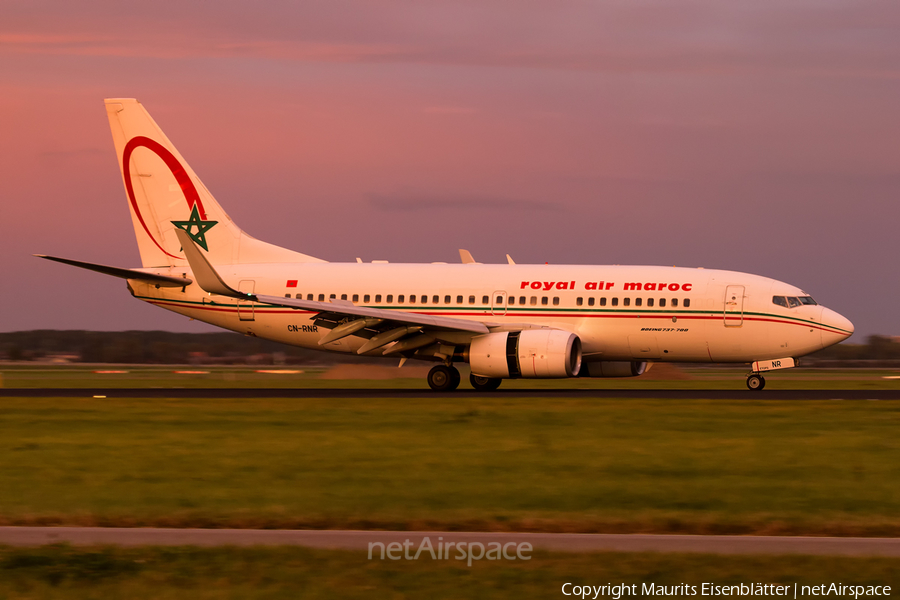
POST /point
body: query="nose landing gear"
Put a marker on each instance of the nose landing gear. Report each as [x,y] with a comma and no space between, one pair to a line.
[755,381]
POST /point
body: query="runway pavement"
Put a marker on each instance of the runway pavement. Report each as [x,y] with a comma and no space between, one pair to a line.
[707,394]
[360,540]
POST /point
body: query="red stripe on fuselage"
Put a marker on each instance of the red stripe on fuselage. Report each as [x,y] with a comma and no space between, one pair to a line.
[273,311]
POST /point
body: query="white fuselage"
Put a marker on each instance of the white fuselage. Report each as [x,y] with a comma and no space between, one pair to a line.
[618,312]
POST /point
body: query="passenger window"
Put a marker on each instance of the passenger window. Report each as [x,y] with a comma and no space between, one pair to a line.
[500,300]
[523,300]
[287,295]
[590,301]
[674,302]
[446,300]
[602,301]
[299,296]
[332,297]
[425,299]
[662,302]
[780,301]
[626,301]
[544,300]
[401,298]
[321,297]
[390,298]
[615,301]
[793,302]
[459,300]
[638,301]
[343,296]
[309,296]
[355,297]
[534,300]
[377,298]
[485,300]
[471,299]
[412,298]
[687,302]
[555,301]
[437,299]
[366,298]
[579,301]
[649,302]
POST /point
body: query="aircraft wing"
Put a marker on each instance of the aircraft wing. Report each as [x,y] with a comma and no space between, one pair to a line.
[345,307]
[153,278]
[371,322]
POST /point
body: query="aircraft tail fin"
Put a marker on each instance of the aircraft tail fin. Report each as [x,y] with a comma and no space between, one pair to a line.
[165,195]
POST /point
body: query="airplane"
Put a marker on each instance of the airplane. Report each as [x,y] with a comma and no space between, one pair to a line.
[505,320]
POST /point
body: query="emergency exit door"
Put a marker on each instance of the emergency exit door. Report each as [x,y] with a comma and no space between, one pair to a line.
[498,303]
[734,306]
[245,307]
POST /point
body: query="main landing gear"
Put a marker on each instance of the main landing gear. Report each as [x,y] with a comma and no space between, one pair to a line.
[443,378]
[484,384]
[755,381]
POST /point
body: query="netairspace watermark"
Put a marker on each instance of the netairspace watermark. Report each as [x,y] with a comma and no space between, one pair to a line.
[617,591]
[468,551]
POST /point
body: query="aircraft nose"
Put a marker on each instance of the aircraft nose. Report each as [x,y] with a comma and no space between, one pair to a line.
[837,327]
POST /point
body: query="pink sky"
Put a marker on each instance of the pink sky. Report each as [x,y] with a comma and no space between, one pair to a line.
[761,137]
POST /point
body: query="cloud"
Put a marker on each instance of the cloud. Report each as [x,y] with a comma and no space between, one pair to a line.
[172,46]
[839,39]
[429,202]
[448,110]
[63,157]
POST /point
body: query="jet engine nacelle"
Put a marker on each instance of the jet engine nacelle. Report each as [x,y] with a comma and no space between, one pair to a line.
[614,368]
[532,353]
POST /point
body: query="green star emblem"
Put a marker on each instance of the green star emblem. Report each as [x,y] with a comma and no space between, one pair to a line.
[202,227]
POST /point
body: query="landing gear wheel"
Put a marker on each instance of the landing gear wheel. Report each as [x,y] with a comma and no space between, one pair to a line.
[484,384]
[454,372]
[442,379]
[756,382]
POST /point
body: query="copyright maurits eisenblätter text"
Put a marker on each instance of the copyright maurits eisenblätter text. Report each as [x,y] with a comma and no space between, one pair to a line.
[616,592]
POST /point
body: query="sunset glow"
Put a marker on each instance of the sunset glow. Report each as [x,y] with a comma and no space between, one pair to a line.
[761,137]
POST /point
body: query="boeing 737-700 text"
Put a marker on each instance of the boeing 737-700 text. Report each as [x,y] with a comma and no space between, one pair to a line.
[505,321]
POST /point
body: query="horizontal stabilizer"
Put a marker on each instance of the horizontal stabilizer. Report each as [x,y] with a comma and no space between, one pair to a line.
[160,280]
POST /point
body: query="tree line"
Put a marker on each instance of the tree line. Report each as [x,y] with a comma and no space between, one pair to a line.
[151,347]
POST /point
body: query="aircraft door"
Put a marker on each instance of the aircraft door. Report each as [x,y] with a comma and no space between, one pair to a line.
[498,303]
[734,306]
[245,307]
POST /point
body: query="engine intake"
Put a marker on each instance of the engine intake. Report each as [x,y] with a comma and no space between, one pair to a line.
[532,354]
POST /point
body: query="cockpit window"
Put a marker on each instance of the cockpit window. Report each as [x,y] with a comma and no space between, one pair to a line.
[793,301]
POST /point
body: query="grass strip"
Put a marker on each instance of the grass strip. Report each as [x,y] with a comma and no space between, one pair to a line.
[62,572]
[637,465]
